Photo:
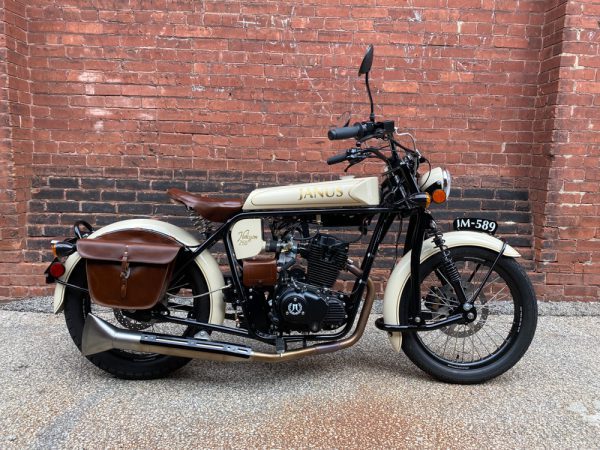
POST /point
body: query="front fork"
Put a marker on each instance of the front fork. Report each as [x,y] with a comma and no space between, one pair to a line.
[448,268]
[420,223]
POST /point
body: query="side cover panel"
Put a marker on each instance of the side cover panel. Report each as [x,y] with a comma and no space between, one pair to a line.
[205,261]
[338,193]
[247,238]
[401,273]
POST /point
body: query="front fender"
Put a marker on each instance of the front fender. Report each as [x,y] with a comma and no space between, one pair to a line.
[205,261]
[401,273]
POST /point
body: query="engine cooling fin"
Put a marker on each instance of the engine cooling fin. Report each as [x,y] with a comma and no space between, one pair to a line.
[326,257]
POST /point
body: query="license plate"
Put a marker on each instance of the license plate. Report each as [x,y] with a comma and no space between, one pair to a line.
[475,224]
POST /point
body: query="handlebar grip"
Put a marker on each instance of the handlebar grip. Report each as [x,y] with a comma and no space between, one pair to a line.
[344,132]
[337,159]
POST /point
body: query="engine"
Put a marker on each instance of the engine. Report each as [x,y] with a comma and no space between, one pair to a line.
[306,308]
[304,299]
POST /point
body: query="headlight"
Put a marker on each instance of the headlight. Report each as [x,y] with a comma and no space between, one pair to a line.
[446,182]
[436,183]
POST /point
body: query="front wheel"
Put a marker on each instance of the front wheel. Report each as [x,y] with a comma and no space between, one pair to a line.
[506,318]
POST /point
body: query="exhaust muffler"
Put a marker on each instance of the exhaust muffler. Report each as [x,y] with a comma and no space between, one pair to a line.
[100,336]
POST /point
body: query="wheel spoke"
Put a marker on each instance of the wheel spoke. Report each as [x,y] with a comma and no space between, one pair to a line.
[497,294]
[441,276]
[474,272]
[482,343]
[473,342]
[445,344]
[484,329]
[444,299]
[493,329]
[435,303]
[439,335]
[455,345]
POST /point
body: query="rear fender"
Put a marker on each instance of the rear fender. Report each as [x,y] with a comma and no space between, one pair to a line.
[401,273]
[205,262]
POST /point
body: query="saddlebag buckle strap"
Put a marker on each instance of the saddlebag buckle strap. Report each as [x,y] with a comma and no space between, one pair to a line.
[125,272]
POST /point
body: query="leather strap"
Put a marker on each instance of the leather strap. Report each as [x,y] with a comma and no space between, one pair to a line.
[124,273]
[150,253]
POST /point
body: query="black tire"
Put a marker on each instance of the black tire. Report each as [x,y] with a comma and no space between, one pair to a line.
[132,365]
[513,318]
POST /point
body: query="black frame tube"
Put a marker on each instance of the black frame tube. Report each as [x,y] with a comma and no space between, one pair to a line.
[456,318]
[204,325]
[387,216]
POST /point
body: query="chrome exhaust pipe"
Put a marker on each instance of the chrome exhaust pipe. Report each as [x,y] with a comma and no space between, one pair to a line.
[100,336]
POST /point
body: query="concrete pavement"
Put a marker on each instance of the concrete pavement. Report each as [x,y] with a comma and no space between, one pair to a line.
[363,397]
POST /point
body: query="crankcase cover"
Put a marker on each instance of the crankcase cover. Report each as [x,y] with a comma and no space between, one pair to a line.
[301,307]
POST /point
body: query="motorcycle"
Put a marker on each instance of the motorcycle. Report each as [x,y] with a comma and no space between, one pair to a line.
[141,297]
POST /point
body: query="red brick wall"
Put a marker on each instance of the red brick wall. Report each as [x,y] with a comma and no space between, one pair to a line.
[131,97]
[15,150]
[567,214]
[6,182]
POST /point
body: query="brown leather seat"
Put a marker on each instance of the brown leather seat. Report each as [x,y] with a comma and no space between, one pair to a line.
[213,209]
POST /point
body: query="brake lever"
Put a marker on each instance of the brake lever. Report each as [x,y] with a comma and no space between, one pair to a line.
[352,163]
[354,157]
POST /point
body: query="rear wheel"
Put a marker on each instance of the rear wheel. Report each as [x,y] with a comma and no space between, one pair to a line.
[506,318]
[137,365]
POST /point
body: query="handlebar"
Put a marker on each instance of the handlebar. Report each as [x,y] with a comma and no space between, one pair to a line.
[337,158]
[362,129]
[346,132]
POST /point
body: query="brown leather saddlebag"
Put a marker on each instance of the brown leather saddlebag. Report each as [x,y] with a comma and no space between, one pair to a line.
[128,273]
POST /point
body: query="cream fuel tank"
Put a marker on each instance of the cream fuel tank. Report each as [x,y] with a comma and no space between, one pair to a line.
[247,234]
[346,192]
